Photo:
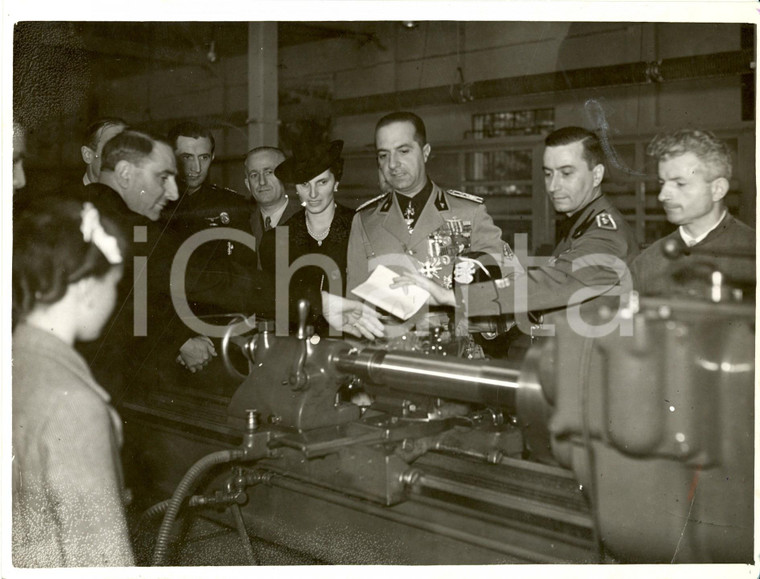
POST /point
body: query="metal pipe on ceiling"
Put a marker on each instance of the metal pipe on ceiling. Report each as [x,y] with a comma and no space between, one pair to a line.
[667,70]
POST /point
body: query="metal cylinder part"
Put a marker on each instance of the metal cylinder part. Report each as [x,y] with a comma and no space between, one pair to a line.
[489,382]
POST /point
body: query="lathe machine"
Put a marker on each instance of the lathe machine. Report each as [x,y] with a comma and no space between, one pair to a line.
[636,446]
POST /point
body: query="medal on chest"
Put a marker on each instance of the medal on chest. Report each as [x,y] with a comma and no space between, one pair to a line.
[222,219]
[443,246]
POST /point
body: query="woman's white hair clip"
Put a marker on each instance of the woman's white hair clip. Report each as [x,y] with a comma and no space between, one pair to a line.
[92,231]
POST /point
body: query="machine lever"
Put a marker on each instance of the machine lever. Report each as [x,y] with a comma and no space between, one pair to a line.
[298,378]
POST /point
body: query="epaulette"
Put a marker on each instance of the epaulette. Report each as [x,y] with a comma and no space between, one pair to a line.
[371,201]
[463,195]
[215,187]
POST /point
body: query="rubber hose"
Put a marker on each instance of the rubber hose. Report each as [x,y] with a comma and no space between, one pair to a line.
[243,532]
[152,512]
[183,489]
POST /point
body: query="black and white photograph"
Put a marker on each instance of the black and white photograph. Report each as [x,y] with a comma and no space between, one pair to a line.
[379,287]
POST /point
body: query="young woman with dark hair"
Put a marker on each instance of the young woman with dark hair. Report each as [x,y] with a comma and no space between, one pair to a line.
[67,484]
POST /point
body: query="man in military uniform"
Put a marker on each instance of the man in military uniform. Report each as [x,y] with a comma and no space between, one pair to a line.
[202,204]
[417,226]
[695,169]
[592,255]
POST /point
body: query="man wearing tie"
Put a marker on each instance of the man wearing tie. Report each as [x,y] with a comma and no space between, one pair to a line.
[272,206]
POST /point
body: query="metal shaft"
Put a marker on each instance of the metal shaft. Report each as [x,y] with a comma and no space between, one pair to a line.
[488,382]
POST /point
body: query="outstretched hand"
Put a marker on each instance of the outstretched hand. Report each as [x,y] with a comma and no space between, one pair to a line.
[439,295]
[352,317]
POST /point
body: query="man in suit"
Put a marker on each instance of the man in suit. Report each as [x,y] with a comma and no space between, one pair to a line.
[272,206]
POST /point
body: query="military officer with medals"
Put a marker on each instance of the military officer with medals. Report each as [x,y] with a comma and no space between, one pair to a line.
[591,257]
[416,225]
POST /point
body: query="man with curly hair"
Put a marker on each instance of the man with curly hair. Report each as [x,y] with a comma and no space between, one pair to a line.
[694,169]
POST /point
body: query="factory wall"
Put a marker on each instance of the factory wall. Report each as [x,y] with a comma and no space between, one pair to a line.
[433,54]
[429,56]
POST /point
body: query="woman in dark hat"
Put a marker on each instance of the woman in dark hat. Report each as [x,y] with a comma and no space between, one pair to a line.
[319,231]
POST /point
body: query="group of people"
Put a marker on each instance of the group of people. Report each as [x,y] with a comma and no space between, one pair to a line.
[96,265]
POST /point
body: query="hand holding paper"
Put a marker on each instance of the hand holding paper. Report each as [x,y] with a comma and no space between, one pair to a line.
[379,290]
[351,316]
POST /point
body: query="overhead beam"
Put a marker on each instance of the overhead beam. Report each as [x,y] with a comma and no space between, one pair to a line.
[672,69]
[669,70]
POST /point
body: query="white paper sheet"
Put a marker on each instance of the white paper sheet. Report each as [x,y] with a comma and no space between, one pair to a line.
[401,302]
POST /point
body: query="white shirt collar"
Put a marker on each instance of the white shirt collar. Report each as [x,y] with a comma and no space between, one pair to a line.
[86,180]
[276,215]
[692,241]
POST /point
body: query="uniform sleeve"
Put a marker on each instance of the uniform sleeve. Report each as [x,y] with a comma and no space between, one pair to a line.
[591,268]
[83,480]
[487,238]
[357,266]
[486,235]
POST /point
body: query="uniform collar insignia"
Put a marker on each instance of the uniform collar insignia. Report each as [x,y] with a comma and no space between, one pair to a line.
[588,211]
[581,229]
[440,201]
[387,205]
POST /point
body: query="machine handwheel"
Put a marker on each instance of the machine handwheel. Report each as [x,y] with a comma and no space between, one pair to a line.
[246,344]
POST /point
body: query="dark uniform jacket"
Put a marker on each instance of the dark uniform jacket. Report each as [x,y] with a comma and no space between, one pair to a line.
[590,260]
[209,206]
[654,273]
[212,207]
[379,235]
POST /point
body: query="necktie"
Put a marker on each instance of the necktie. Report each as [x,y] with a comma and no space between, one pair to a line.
[267,223]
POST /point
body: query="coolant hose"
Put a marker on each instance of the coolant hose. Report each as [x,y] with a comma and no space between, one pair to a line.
[183,489]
